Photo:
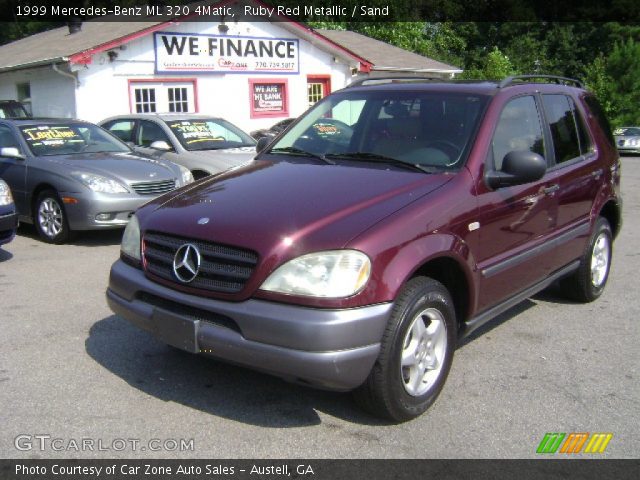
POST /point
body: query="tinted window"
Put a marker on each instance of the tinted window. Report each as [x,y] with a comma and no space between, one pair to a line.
[600,117]
[149,132]
[563,127]
[519,128]
[123,129]
[583,136]
[7,138]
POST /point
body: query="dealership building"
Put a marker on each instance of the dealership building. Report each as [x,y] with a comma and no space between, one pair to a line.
[247,69]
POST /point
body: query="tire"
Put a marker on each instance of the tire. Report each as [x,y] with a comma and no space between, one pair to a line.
[587,283]
[400,393]
[50,218]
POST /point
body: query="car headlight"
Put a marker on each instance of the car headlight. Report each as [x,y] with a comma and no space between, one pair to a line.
[100,184]
[5,194]
[187,177]
[330,274]
[130,245]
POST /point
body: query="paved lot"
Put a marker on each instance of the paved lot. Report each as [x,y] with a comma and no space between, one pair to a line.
[69,369]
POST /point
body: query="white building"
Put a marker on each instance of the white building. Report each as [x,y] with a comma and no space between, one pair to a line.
[252,73]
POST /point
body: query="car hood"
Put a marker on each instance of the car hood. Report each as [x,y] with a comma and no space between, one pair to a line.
[282,209]
[123,166]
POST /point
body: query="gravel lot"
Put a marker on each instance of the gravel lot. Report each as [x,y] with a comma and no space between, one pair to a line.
[71,370]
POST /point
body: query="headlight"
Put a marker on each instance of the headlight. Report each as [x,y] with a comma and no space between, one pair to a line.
[187,177]
[5,194]
[100,184]
[131,239]
[332,274]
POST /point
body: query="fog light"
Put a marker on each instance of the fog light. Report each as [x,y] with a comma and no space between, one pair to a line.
[103,217]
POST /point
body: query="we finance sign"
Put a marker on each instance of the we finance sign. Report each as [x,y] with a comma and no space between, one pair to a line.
[190,53]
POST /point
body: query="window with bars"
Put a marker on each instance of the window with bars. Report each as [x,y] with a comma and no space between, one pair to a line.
[178,99]
[314,92]
[145,100]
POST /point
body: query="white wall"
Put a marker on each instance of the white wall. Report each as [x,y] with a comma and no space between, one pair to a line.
[52,95]
[103,89]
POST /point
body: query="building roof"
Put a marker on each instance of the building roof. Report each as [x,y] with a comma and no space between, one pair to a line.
[60,46]
[386,57]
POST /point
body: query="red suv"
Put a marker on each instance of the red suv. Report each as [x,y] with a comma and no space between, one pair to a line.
[386,223]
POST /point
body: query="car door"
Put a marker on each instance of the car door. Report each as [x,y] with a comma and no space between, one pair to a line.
[579,172]
[515,222]
[14,170]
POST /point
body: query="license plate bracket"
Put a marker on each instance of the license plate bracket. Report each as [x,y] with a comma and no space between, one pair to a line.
[178,332]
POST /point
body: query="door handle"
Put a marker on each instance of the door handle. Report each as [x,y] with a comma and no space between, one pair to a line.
[550,190]
[597,173]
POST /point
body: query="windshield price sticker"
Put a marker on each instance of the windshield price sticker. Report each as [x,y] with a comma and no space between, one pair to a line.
[196,132]
[51,135]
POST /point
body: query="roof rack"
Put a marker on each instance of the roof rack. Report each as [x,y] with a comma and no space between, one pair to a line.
[381,80]
[559,80]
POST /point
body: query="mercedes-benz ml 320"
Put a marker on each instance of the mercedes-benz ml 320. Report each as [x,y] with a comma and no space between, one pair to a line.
[382,226]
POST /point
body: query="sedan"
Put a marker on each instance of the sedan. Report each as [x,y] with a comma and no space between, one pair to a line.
[67,175]
[8,216]
[627,139]
[204,145]
[273,130]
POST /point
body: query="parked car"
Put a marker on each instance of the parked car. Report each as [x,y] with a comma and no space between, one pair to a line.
[389,222]
[627,139]
[273,130]
[13,109]
[205,145]
[8,215]
[68,175]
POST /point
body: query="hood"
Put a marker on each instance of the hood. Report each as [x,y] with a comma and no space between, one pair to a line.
[123,166]
[283,209]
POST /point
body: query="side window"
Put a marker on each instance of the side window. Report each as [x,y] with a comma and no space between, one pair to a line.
[562,123]
[149,132]
[7,138]
[598,112]
[518,128]
[123,129]
[583,134]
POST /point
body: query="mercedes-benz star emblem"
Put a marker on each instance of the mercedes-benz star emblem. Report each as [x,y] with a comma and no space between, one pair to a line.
[186,263]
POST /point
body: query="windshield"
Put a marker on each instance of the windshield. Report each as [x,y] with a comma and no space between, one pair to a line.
[628,131]
[68,139]
[209,134]
[427,129]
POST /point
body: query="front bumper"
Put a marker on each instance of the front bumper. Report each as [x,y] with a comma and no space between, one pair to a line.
[82,215]
[8,225]
[332,349]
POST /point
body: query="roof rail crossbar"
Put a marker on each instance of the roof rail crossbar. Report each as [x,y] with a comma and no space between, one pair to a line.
[377,80]
[559,80]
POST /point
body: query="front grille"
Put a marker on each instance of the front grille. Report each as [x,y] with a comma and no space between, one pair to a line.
[223,269]
[154,188]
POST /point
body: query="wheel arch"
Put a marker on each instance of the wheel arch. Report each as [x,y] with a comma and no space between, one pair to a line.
[611,211]
[41,187]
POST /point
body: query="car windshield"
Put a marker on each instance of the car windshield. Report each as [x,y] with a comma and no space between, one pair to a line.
[424,129]
[209,134]
[628,131]
[11,110]
[68,139]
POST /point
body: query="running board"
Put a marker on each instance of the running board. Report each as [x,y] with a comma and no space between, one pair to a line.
[478,321]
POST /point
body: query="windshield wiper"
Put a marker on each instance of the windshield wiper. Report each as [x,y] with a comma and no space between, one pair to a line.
[302,153]
[374,157]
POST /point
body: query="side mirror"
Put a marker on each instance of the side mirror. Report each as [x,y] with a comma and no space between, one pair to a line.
[263,143]
[11,152]
[518,167]
[160,145]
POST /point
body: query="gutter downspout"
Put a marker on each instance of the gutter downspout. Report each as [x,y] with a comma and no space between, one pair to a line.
[55,68]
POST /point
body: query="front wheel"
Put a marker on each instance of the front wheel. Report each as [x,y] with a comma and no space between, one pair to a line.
[587,283]
[50,218]
[416,353]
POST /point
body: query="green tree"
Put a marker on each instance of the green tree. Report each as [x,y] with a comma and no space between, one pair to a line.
[496,66]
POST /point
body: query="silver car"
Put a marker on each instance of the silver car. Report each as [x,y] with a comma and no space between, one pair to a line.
[205,145]
[627,139]
[68,175]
